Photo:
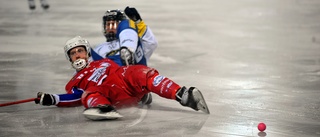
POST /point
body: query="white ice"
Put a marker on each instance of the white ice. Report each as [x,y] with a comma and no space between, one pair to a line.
[254,60]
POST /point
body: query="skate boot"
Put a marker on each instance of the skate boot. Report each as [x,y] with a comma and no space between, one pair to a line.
[146,99]
[101,112]
[44,4]
[32,4]
[192,98]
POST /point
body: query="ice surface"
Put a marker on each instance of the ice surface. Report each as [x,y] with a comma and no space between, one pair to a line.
[254,61]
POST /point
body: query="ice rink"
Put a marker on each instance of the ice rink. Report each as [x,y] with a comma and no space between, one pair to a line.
[254,61]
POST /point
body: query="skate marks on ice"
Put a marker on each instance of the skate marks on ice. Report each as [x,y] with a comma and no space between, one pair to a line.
[142,115]
[161,120]
[27,119]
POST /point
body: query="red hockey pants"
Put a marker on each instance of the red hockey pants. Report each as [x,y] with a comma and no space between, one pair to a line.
[127,86]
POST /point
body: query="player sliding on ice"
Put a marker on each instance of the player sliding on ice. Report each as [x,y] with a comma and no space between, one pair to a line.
[104,86]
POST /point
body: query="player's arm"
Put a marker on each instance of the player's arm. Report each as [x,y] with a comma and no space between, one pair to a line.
[95,55]
[128,36]
[60,100]
[146,35]
[109,50]
[128,39]
[149,43]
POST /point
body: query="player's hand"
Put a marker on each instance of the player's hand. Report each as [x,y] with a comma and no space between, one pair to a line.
[45,99]
[127,56]
[132,13]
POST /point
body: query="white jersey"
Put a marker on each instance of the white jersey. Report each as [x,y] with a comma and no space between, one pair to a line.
[149,43]
[107,47]
[129,38]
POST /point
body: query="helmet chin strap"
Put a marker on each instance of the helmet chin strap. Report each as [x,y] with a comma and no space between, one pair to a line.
[79,64]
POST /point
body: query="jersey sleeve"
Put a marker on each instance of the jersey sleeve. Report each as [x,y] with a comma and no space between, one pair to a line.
[147,38]
[127,35]
[95,55]
[111,49]
[70,100]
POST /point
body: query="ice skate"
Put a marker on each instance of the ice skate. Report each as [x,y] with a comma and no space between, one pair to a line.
[32,4]
[146,99]
[44,4]
[103,112]
[193,98]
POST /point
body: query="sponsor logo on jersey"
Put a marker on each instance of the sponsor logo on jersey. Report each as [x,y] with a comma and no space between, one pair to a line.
[157,80]
[105,65]
[163,85]
[168,86]
[98,72]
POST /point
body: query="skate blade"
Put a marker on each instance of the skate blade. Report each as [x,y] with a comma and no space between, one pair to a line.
[202,105]
[93,114]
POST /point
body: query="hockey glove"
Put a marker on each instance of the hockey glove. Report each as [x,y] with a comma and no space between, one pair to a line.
[46,99]
[127,56]
[133,14]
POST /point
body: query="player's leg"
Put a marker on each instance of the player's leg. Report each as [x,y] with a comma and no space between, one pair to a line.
[44,4]
[32,4]
[146,99]
[98,107]
[167,88]
[193,98]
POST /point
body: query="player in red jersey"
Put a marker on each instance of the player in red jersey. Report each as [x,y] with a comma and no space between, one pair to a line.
[105,86]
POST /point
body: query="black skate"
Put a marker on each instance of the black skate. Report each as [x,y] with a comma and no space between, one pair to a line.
[32,4]
[102,112]
[44,4]
[193,98]
[146,99]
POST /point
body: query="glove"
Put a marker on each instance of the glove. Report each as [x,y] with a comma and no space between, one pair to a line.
[127,56]
[45,99]
[132,13]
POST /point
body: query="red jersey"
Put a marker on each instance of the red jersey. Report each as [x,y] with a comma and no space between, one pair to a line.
[115,85]
[92,75]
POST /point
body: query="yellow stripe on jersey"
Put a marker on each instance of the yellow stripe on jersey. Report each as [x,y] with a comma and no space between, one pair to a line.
[132,24]
[142,28]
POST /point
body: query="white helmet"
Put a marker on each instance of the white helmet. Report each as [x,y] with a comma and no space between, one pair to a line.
[76,42]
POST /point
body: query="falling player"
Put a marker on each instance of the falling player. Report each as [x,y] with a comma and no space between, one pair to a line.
[102,86]
[129,40]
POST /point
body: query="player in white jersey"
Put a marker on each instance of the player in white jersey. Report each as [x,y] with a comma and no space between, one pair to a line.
[129,41]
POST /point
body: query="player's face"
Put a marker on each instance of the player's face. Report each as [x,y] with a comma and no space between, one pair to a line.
[111,26]
[78,53]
